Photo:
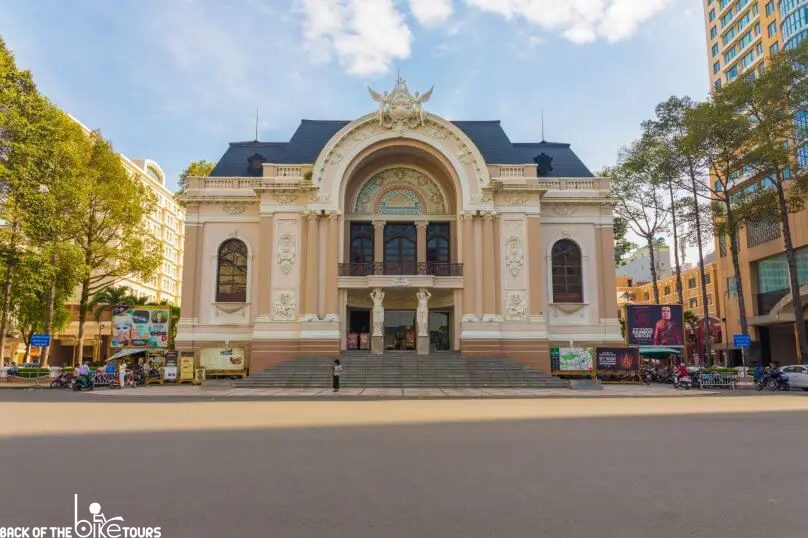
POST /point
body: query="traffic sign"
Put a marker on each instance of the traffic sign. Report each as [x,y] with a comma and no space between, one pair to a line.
[40,340]
[741,340]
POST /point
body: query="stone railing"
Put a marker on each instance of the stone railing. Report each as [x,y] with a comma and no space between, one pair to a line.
[289,171]
[230,183]
[571,184]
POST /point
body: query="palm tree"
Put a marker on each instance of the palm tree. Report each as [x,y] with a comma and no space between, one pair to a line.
[136,300]
[108,298]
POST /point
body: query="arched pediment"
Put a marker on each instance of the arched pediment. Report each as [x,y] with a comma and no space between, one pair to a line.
[338,157]
[401,190]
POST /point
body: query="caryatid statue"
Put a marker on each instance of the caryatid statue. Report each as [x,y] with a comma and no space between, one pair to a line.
[378,312]
[423,312]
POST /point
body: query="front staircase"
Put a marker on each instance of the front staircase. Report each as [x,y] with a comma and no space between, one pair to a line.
[402,370]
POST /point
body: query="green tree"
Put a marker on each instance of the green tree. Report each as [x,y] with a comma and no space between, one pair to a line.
[639,200]
[195,169]
[769,104]
[112,236]
[622,246]
[716,133]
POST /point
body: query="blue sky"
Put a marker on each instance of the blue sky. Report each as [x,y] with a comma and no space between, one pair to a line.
[176,80]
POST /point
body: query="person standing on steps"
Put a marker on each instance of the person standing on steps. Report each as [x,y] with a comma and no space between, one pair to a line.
[336,371]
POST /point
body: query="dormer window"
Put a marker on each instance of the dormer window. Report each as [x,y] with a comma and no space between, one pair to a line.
[256,164]
[543,164]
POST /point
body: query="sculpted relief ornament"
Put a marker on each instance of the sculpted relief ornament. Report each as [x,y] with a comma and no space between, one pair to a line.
[234,208]
[284,307]
[516,307]
[286,252]
[400,109]
[514,255]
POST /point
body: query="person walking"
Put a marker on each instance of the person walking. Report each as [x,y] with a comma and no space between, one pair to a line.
[336,371]
[122,373]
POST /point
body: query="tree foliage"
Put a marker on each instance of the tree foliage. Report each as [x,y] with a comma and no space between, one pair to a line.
[195,169]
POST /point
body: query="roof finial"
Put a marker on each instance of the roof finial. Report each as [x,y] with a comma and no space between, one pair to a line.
[256,123]
[542,124]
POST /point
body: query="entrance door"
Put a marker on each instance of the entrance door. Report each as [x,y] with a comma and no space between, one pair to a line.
[358,329]
[440,334]
[400,249]
[399,330]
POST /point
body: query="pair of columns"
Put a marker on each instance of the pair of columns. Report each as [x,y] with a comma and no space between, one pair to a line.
[378,240]
[481,265]
[318,290]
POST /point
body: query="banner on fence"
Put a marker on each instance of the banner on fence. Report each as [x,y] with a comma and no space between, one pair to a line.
[570,359]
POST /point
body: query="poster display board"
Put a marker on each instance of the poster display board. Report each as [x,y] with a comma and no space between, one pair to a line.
[222,358]
[654,325]
[617,359]
[570,359]
[140,326]
[187,368]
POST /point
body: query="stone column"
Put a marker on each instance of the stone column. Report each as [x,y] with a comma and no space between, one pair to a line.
[312,266]
[489,265]
[378,240]
[332,310]
[420,243]
[190,269]
[469,266]
[609,273]
[537,268]
[323,266]
[266,247]
[497,266]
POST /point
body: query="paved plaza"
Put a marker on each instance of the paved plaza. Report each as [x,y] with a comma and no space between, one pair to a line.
[572,467]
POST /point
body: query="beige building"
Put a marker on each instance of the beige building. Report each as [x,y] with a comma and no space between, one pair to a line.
[401,231]
[741,34]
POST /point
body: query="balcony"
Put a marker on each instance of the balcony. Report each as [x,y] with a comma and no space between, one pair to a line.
[401,268]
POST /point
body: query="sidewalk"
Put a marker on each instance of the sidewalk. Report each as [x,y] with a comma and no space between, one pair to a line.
[631,391]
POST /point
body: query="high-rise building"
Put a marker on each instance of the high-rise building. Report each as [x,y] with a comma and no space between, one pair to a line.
[741,35]
[638,264]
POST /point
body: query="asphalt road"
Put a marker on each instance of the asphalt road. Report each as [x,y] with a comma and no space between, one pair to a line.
[702,467]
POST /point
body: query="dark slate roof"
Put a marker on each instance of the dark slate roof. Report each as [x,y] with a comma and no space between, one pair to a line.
[312,135]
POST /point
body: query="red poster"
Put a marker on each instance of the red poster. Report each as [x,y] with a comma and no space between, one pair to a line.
[364,341]
[353,341]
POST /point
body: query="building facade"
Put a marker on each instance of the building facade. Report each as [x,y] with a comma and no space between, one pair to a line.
[638,264]
[401,229]
[736,29]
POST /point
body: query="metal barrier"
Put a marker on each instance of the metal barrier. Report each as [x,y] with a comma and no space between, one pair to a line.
[104,379]
[717,380]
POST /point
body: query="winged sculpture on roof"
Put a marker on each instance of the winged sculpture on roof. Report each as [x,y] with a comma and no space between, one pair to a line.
[400,109]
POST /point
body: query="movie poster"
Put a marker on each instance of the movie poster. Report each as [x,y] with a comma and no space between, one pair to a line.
[617,358]
[654,325]
[140,326]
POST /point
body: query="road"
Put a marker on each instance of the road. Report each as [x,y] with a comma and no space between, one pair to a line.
[627,467]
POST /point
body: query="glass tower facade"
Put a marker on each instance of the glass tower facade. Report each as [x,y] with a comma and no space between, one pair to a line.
[794,14]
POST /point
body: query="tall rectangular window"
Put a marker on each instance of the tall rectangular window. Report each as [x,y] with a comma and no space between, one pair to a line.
[712,15]
[438,242]
[770,7]
[771,29]
[361,249]
[715,49]
[713,32]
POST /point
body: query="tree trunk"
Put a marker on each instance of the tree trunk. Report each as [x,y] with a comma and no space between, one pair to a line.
[7,280]
[796,300]
[702,275]
[85,298]
[736,265]
[50,300]
[27,356]
[676,247]
[650,240]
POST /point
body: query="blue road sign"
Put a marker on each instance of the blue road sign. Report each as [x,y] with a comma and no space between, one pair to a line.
[40,340]
[741,340]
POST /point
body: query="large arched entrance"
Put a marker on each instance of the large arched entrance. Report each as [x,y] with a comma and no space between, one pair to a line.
[399,201]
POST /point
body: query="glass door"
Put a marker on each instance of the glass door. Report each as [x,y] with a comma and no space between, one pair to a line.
[400,249]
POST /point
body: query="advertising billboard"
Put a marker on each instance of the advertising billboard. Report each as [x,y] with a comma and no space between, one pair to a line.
[617,358]
[570,359]
[222,358]
[654,325]
[140,326]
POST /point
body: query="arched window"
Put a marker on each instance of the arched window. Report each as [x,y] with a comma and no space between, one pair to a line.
[437,242]
[567,276]
[231,272]
[361,242]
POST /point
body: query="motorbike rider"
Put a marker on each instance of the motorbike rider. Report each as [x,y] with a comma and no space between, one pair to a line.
[84,371]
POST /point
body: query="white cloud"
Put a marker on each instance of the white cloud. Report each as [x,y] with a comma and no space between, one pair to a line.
[364,35]
[580,21]
[431,12]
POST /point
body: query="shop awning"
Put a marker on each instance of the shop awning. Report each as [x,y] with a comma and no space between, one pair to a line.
[659,352]
[125,353]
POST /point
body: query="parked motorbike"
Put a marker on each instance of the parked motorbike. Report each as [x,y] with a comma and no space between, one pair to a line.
[645,376]
[683,382]
[62,381]
[136,378]
[80,383]
[774,380]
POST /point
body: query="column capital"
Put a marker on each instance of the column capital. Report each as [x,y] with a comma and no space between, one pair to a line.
[311,215]
[333,215]
[466,215]
[379,223]
[421,223]
[489,215]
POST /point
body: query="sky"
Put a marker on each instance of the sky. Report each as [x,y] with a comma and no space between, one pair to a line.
[176,80]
